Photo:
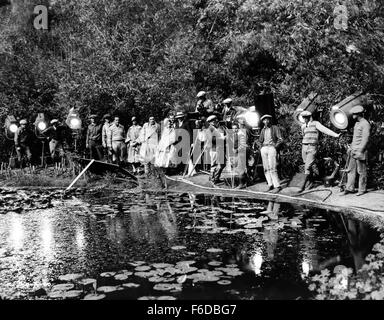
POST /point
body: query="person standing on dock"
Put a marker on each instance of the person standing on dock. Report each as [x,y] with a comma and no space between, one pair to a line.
[270,141]
[184,139]
[215,143]
[23,142]
[228,112]
[131,141]
[149,139]
[93,139]
[310,130]
[358,149]
[239,138]
[117,141]
[105,136]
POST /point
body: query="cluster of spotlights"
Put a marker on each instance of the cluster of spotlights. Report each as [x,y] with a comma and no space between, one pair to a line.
[41,124]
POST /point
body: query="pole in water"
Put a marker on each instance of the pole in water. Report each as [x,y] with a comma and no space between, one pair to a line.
[81,173]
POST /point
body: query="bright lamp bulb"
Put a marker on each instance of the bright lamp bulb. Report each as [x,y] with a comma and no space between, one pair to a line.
[13,128]
[75,123]
[340,118]
[41,126]
[251,118]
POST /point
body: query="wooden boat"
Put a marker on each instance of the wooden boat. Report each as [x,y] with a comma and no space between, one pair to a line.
[370,204]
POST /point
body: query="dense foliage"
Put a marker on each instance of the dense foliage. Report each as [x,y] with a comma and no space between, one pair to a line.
[142,56]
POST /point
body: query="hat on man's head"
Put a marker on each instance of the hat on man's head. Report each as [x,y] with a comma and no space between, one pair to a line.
[306,113]
[180,114]
[265,116]
[107,116]
[211,118]
[357,109]
[53,121]
[133,119]
[23,121]
[92,116]
[201,94]
[227,101]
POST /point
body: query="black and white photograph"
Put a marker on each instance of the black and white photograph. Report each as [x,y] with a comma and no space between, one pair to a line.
[215,151]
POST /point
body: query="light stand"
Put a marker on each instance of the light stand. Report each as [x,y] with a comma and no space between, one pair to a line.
[10,128]
[40,126]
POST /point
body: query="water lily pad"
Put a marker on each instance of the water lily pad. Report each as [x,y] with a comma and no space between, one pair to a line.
[163,287]
[136,263]
[224,282]
[144,274]
[93,296]
[161,265]
[215,263]
[178,248]
[70,277]
[73,294]
[214,250]
[156,279]
[107,289]
[147,298]
[130,285]
[121,277]
[142,268]
[107,274]
[191,253]
[87,281]
[56,294]
[235,273]
[166,298]
[63,287]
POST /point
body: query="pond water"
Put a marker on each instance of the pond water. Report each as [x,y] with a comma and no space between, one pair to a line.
[124,245]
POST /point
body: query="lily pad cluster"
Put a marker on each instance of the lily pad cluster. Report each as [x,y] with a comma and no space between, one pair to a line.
[19,201]
[161,277]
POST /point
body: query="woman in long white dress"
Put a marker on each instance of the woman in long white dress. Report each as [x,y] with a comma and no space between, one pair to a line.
[166,151]
[132,144]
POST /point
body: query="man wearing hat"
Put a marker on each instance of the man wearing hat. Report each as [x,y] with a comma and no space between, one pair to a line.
[117,141]
[215,143]
[57,134]
[131,141]
[93,139]
[358,149]
[228,112]
[310,130]
[149,139]
[270,140]
[184,139]
[23,142]
[204,106]
[105,136]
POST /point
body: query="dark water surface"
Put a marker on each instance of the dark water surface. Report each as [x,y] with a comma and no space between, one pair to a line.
[174,246]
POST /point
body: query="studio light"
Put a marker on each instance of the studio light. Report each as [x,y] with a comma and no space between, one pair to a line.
[250,116]
[306,104]
[10,127]
[341,116]
[73,120]
[40,124]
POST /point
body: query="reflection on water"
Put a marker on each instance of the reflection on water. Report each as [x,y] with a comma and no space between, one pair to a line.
[16,232]
[275,246]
